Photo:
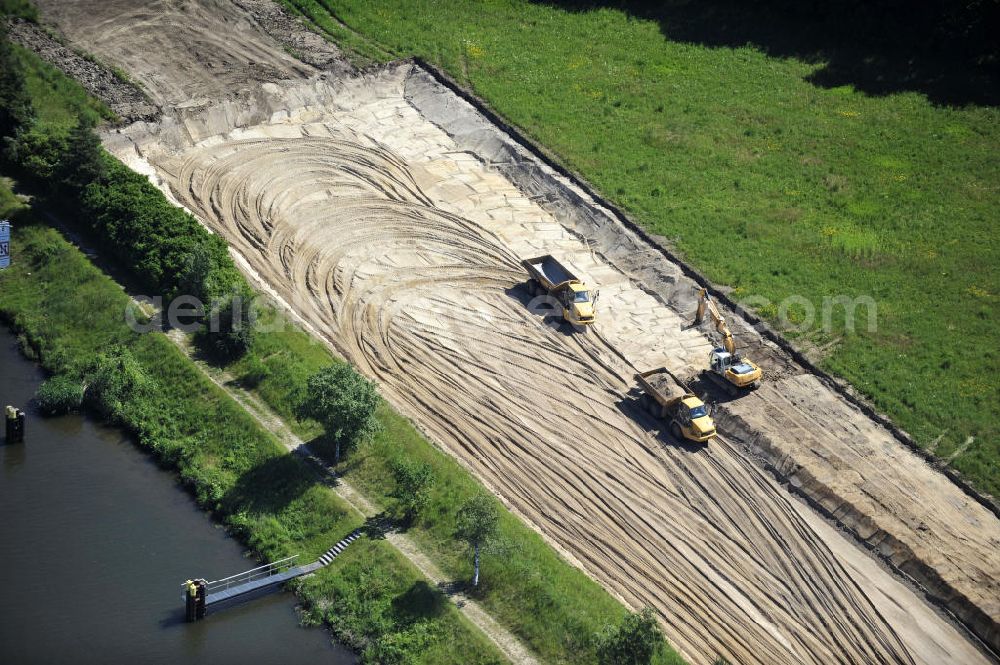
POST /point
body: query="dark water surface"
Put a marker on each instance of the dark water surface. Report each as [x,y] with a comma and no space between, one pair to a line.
[95,541]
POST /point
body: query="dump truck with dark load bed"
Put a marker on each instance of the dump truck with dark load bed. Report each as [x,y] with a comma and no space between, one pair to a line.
[666,397]
[546,275]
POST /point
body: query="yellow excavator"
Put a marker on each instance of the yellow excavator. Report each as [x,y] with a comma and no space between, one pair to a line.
[727,368]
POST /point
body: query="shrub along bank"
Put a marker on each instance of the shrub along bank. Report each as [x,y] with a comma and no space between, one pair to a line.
[49,142]
[69,317]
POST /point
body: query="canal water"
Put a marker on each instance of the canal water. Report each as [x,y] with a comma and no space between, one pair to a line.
[95,541]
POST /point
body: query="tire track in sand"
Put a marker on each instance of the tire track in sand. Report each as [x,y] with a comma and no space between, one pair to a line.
[421,300]
[223,54]
[392,311]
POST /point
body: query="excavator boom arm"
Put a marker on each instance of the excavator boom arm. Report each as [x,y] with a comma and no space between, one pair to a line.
[705,303]
[735,379]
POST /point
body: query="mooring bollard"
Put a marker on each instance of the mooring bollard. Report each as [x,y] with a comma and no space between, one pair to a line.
[15,425]
[200,598]
[194,600]
[190,596]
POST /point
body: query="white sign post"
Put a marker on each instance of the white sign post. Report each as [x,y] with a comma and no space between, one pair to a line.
[4,244]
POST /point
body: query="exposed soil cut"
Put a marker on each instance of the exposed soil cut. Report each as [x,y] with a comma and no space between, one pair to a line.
[126,100]
[392,217]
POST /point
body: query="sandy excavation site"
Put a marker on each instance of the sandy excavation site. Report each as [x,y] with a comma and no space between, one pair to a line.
[392,217]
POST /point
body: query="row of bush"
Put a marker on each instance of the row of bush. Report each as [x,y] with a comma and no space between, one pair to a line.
[69,317]
[273,501]
[164,249]
[115,380]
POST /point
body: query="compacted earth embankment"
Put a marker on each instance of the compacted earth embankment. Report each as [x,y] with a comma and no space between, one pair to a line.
[391,216]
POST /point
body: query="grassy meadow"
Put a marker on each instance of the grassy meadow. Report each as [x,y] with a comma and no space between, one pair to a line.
[774,158]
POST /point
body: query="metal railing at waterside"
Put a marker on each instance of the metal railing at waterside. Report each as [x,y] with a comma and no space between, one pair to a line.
[199,594]
[252,575]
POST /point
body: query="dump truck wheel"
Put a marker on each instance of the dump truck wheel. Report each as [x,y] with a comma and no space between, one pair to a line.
[653,406]
[675,430]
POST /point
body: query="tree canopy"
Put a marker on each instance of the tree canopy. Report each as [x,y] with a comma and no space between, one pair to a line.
[478,523]
[16,111]
[634,641]
[343,402]
[414,480]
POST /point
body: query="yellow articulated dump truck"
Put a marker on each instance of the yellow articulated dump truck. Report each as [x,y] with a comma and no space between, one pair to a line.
[547,276]
[666,397]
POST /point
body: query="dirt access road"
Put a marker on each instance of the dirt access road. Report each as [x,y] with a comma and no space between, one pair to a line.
[391,218]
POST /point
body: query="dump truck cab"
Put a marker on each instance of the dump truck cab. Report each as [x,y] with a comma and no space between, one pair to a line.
[736,370]
[666,397]
[578,303]
[694,421]
[547,275]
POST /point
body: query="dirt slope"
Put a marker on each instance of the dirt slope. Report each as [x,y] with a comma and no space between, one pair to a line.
[182,52]
[421,299]
[392,219]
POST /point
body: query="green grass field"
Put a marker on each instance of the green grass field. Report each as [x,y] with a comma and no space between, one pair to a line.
[767,182]
[58,100]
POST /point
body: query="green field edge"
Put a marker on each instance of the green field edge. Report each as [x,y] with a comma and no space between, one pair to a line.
[916,409]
